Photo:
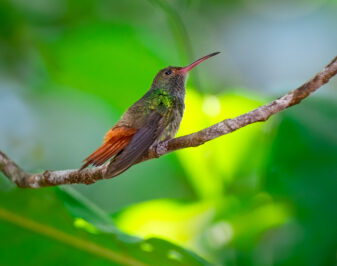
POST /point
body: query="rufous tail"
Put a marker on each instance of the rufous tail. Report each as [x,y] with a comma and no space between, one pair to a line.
[114,141]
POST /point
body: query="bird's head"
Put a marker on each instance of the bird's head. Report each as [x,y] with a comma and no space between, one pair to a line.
[173,78]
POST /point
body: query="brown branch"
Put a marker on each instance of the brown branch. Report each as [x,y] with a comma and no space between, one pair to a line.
[89,176]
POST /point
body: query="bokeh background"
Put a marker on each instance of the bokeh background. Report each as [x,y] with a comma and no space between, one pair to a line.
[264,195]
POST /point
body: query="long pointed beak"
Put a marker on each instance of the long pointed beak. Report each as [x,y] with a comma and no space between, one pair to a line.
[185,69]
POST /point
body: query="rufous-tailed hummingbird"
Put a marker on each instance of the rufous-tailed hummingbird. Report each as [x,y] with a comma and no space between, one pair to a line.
[153,118]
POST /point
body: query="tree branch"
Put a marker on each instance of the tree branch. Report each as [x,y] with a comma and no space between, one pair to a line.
[89,176]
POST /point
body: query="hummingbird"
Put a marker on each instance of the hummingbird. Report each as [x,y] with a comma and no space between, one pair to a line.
[153,118]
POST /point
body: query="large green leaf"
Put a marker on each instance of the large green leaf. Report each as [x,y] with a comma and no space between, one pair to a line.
[35,224]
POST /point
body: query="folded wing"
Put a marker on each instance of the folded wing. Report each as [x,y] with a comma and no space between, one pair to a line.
[138,145]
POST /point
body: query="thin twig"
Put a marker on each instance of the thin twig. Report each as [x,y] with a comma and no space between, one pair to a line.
[89,176]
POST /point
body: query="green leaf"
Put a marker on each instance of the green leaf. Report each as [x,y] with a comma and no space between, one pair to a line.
[79,206]
[35,224]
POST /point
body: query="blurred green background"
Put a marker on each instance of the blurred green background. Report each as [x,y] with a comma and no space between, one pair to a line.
[264,195]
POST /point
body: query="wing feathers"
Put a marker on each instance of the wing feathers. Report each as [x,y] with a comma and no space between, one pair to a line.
[139,144]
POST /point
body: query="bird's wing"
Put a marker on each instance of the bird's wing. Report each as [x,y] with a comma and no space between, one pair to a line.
[114,141]
[138,145]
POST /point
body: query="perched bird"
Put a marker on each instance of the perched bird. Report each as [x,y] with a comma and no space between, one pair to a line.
[153,118]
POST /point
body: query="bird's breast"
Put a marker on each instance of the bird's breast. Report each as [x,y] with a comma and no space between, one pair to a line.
[174,120]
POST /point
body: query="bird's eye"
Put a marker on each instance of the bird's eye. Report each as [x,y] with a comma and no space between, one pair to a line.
[168,72]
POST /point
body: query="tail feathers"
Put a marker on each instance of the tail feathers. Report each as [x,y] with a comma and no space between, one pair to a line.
[110,147]
[105,152]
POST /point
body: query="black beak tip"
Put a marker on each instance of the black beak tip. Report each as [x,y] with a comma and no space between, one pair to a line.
[215,53]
